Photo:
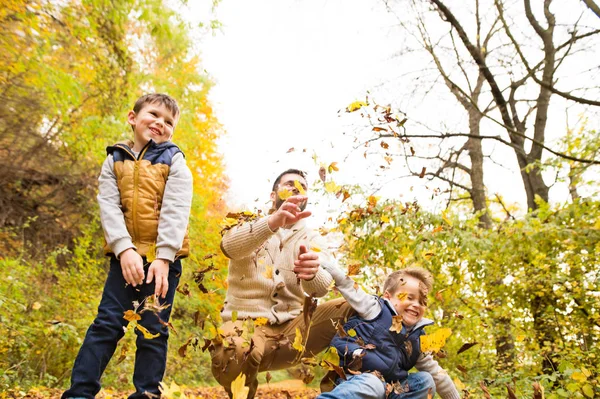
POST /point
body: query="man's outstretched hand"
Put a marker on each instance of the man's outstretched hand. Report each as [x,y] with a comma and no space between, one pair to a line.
[307,264]
[288,213]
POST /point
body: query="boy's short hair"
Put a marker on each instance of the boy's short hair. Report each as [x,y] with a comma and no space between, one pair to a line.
[289,171]
[157,98]
[395,280]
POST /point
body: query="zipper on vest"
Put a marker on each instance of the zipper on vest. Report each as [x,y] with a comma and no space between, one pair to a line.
[136,178]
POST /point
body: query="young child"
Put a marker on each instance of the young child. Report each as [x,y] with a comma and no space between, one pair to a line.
[391,354]
[145,195]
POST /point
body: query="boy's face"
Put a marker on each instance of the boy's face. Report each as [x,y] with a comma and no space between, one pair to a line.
[153,121]
[407,301]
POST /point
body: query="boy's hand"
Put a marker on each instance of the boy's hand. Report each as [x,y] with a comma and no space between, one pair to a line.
[159,269]
[132,267]
[288,213]
[307,264]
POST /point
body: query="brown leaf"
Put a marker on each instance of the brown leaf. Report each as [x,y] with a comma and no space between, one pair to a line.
[268,377]
[461,368]
[466,347]
[184,290]
[369,346]
[323,174]
[384,145]
[310,305]
[538,391]
[379,129]
[205,257]
[412,151]
[292,149]
[486,393]
[511,393]
[422,174]
[396,324]
[123,353]
[353,269]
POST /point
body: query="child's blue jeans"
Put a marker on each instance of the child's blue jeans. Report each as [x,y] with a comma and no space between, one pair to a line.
[108,328]
[368,386]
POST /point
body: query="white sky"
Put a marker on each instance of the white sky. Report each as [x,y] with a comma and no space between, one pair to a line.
[284,68]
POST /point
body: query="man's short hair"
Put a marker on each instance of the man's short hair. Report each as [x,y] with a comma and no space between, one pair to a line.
[289,171]
[395,280]
[157,98]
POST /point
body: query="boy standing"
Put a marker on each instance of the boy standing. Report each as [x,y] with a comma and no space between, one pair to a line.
[145,194]
[379,347]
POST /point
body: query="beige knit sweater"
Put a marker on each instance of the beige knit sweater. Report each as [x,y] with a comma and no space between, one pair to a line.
[261,281]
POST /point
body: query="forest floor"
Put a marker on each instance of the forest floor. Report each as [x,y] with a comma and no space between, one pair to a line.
[289,389]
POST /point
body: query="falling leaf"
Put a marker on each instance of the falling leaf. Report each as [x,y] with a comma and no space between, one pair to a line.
[331,187]
[466,347]
[402,296]
[385,218]
[379,129]
[322,174]
[459,384]
[268,377]
[123,354]
[438,229]
[333,167]
[152,304]
[299,187]
[355,106]
[402,122]
[412,151]
[151,253]
[292,149]
[384,145]
[284,194]
[260,321]
[396,324]
[184,290]
[438,295]
[422,174]
[298,341]
[147,334]
[238,388]
[351,332]
[353,269]
[130,315]
[436,341]
[315,249]
[446,219]
[234,316]
[268,274]
[372,200]
[346,195]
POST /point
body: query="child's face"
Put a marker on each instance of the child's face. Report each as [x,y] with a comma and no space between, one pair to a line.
[153,121]
[407,301]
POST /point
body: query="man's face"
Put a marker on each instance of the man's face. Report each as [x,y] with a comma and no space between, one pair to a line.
[153,121]
[286,187]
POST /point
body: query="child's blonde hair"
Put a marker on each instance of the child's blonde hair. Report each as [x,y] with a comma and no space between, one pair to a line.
[395,280]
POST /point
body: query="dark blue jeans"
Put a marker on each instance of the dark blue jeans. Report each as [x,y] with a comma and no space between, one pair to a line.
[103,335]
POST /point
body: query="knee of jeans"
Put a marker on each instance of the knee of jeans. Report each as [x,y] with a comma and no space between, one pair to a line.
[427,381]
[375,384]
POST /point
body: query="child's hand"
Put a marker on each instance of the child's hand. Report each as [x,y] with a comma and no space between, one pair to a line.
[307,264]
[132,267]
[288,213]
[159,269]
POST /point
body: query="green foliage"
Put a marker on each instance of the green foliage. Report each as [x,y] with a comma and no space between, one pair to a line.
[525,291]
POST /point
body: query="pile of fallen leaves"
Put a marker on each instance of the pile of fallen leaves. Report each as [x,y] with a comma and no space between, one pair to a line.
[282,390]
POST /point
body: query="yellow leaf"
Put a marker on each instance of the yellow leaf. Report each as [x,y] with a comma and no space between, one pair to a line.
[299,187]
[578,376]
[402,296]
[284,194]
[588,390]
[268,274]
[298,341]
[459,384]
[229,222]
[397,325]
[436,341]
[130,315]
[151,253]
[315,249]
[351,332]
[147,334]
[331,187]
[260,321]
[586,372]
[36,306]
[171,392]
[234,315]
[330,357]
[239,388]
[372,200]
[333,167]
[385,218]
[448,221]
[355,106]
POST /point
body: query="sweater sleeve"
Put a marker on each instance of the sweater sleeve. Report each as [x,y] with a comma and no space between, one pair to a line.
[111,215]
[444,385]
[243,239]
[175,209]
[367,306]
